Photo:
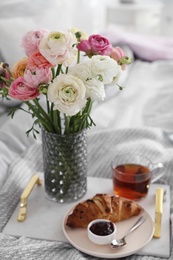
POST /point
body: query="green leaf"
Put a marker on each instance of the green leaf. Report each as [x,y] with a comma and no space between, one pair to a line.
[33,129]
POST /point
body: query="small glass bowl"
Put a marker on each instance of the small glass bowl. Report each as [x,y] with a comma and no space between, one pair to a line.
[101,239]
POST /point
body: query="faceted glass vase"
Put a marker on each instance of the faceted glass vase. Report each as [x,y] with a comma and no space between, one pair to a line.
[65,165]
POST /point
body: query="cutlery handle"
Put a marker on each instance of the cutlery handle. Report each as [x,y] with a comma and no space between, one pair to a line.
[158,212]
[136,225]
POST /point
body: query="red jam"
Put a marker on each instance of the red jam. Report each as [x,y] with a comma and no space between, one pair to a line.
[102,228]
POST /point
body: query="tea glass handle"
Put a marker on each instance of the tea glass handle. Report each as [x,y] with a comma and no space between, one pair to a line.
[155,175]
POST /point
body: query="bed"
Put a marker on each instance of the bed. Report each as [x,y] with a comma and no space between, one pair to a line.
[137,119]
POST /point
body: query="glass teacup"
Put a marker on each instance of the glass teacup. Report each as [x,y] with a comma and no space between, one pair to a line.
[132,175]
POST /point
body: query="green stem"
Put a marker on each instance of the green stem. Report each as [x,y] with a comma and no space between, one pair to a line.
[58,69]
[67,123]
[53,73]
[78,57]
[55,117]
[48,108]
[11,74]
[41,115]
[40,118]
[66,71]
[90,102]
[86,114]
[42,111]
[56,121]
[51,111]
[5,80]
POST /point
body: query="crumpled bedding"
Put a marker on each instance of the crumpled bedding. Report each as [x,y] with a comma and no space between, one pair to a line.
[146,99]
[102,148]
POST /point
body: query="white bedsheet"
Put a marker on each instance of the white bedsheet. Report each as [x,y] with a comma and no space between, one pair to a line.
[146,99]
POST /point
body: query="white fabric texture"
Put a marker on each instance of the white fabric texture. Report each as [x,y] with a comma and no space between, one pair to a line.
[146,99]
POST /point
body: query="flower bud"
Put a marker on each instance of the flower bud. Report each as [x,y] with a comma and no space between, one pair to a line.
[43,88]
[125,60]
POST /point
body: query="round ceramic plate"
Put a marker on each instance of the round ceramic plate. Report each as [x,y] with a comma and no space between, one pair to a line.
[135,241]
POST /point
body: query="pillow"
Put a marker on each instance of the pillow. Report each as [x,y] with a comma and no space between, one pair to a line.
[145,47]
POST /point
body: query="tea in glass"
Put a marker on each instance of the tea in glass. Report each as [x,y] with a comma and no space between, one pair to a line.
[131,180]
[131,175]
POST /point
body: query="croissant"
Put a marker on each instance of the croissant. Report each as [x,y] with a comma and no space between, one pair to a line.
[102,206]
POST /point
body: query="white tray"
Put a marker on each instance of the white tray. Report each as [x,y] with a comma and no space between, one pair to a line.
[44,217]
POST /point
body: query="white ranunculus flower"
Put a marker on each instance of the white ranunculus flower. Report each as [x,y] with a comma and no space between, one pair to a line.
[105,68]
[59,48]
[116,78]
[95,89]
[83,35]
[81,70]
[67,92]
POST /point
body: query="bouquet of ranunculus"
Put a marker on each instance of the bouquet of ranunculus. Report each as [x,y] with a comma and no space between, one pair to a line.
[70,82]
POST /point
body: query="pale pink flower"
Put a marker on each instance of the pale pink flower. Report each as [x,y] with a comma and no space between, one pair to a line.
[120,56]
[37,60]
[117,53]
[38,76]
[96,44]
[31,40]
[59,48]
[21,91]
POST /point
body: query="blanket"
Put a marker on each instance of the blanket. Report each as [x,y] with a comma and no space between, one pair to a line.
[102,147]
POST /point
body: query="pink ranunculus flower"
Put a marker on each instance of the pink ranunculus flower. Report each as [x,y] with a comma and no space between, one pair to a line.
[59,48]
[84,46]
[117,53]
[4,73]
[34,78]
[31,40]
[21,91]
[37,60]
[120,56]
[96,44]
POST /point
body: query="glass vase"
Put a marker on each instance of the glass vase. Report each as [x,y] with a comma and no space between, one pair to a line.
[65,165]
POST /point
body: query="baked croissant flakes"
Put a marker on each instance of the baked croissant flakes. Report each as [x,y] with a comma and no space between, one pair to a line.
[102,206]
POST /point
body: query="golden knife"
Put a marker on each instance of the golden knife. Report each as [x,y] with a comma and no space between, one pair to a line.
[24,197]
[158,212]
